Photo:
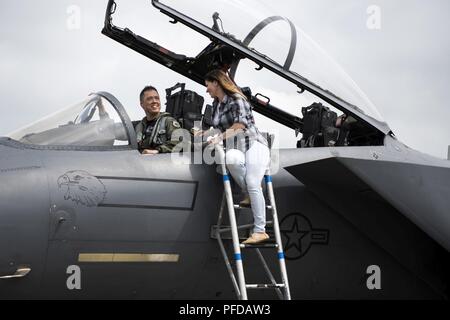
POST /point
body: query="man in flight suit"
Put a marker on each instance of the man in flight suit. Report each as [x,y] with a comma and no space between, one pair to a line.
[154,132]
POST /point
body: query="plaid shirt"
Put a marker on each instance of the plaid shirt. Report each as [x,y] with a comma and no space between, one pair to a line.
[235,109]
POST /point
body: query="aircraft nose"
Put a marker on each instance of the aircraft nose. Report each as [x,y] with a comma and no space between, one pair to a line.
[24,216]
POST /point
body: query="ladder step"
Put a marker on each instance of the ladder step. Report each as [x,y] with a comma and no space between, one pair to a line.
[259,246]
[238,207]
[241,227]
[265,286]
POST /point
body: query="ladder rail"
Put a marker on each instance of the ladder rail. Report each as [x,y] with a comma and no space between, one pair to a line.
[222,208]
[276,227]
[228,265]
[232,216]
[269,273]
[222,248]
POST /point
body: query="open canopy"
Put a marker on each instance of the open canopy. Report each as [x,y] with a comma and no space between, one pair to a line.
[244,36]
[276,39]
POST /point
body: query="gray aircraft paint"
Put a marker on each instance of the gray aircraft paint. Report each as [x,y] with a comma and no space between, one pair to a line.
[378,205]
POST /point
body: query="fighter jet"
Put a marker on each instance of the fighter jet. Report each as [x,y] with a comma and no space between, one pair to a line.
[83,215]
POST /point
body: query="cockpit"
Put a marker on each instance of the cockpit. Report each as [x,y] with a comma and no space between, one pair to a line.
[94,122]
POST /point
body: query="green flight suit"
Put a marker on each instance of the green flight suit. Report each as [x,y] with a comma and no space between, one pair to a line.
[160,137]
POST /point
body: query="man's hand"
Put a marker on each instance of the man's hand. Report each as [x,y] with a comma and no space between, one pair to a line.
[150,152]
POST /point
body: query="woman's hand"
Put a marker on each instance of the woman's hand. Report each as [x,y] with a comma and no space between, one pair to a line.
[150,152]
[197,132]
[214,139]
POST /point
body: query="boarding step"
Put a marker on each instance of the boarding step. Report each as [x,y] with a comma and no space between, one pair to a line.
[244,231]
[259,246]
[265,286]
[239,207]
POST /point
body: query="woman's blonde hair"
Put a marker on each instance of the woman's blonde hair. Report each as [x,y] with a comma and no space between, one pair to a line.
[224,81]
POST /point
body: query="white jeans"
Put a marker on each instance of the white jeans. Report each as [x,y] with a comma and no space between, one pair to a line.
[248,170]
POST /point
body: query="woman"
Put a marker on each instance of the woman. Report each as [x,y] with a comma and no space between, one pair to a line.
[248,159]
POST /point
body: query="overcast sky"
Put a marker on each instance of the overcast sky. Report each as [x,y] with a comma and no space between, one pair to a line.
[47,62]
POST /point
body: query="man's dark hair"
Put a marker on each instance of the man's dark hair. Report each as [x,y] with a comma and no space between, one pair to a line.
[147,88]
